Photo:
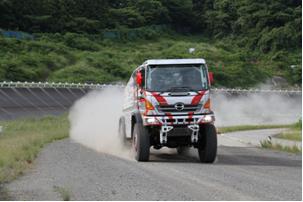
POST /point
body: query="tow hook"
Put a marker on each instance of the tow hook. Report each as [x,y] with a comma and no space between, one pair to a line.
[163,133]
[195,132]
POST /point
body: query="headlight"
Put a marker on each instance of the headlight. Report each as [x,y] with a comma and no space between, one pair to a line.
[151,121]
[207,119]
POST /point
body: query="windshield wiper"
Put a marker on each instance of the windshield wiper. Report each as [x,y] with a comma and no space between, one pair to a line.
[182,89]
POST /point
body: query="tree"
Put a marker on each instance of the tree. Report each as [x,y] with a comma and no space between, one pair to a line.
[180,12]
[128,16]
[153,11]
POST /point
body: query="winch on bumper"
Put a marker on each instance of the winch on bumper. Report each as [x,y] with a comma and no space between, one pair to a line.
[170,124]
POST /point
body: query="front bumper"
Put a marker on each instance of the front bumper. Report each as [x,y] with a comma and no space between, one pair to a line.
[178,120]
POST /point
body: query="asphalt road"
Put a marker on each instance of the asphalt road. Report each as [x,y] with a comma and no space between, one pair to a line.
[241,172]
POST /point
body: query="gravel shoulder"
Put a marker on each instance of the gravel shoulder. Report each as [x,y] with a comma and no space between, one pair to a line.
[241,172]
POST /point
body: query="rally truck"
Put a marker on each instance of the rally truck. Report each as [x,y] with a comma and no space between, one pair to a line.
[167,104]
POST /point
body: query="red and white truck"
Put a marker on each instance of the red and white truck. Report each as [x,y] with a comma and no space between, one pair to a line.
[167,104]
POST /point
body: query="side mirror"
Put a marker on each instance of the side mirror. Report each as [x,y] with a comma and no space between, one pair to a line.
[139,78]
[211,77]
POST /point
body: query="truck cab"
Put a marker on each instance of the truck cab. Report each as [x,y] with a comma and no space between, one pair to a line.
[167,104]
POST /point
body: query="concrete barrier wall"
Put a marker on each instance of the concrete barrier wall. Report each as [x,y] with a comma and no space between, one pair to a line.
[38,99]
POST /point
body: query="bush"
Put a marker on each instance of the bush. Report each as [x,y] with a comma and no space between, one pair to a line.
[80,42]
[298,125]
[2,73]
[81,73]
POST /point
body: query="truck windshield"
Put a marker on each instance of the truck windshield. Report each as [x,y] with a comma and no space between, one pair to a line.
[170,78]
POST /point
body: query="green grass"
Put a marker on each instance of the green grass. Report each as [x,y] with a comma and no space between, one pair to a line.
[294,132]
[250,127]
[21,141]
[291,149]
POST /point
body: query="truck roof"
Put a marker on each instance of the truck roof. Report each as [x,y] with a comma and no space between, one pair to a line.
[174,61]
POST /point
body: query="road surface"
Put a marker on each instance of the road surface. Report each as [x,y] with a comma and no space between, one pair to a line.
[254,139]
[241,172]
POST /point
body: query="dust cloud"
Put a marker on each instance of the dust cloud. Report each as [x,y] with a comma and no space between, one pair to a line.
[254,109]
[94,121]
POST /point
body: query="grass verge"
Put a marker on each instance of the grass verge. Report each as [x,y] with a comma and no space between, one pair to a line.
[21,141]
[250,127]
[291,149]
[294,132]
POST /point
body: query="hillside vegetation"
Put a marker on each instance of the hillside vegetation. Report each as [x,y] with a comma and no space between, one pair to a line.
[244,41]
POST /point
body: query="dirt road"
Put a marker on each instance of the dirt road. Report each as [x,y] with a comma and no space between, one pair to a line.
[241,172]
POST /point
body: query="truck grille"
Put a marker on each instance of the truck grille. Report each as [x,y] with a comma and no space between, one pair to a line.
[179,132]
[171,108]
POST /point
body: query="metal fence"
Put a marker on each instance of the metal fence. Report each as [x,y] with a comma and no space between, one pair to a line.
[135,33]
[21,99]
[100,86]
[16,35]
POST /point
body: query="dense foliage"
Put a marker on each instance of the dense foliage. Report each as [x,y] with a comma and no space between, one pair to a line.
[271,24]
[257,38]
[79,58]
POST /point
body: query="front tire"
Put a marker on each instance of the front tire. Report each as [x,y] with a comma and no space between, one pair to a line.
[207,146]
[141,142]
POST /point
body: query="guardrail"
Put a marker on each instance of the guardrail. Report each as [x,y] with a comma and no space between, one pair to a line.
[234,90]
[55,85]
[100,86]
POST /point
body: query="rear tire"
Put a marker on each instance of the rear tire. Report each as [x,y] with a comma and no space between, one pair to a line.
[141,142]
[207,146]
